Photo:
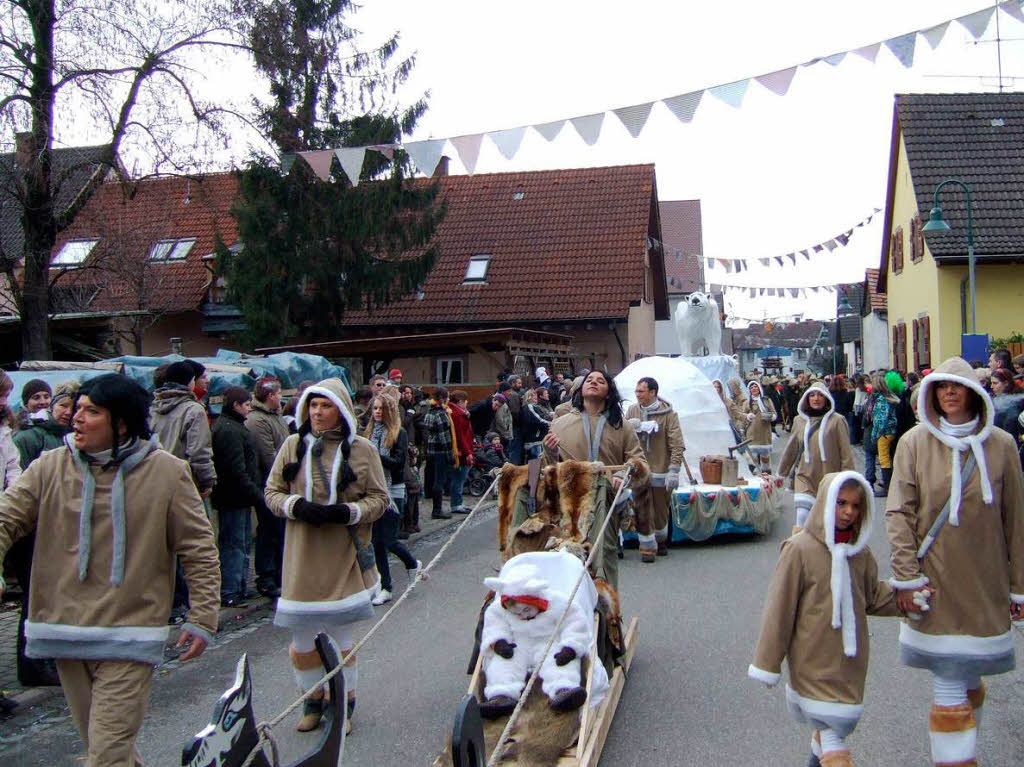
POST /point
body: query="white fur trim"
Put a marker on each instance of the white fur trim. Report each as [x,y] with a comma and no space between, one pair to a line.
[824,420]
[916,583]
[815,746]
[1017,598]
[760,675]
[648,541]
[323,391]
[823,708]
[843,614]
[803,499]
[307,459]
[312,608]
[355,513]
[68,632]
[956,644]
[954,747]
[288,508]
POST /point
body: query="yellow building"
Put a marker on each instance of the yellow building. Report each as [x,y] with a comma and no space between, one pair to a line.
[975,138]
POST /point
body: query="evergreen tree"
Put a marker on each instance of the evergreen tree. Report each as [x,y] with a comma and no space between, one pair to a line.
[312,249]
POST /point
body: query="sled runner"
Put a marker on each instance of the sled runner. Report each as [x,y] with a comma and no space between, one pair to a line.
[231,734]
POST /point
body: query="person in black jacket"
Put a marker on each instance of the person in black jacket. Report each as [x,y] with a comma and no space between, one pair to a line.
[385,432]
[238,489]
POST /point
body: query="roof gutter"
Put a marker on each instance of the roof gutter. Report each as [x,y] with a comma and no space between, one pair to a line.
[622,349]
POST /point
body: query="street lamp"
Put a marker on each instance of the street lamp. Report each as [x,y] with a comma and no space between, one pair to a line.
[936,223]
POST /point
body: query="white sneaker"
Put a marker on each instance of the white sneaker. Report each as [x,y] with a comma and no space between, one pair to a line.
[383,597]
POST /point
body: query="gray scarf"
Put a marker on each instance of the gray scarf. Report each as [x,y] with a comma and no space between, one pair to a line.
[129,456]
[593,443]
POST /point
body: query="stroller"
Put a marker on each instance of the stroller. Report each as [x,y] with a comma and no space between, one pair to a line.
[479,477]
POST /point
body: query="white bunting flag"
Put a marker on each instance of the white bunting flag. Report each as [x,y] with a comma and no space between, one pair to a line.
[550,131]
[792,257]
[468,148]
[902,48]
[935,34]
[778,260]
[351,160]
[684,106]
[634,117]
[731,93]
[778,82]
[793,292]
[589,127]
[1013,8]
[806,254]
[508,141]
[762,291]
[765,261]
[388,150]
[869,52]
[835,58]
[976,23]
[830,245]
[320,162]
[426,154]
[753,292]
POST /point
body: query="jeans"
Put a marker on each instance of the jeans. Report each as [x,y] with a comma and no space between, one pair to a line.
[440,466]
[385,539]
[515,450]
[233,541]
[269,547]
[870,456]
[457,477]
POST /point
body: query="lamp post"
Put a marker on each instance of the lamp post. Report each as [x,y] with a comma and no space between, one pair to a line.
[936,223]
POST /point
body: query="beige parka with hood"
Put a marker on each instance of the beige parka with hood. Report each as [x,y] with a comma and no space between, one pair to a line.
[758,430]
[821,628]
[976,562]
[329,570]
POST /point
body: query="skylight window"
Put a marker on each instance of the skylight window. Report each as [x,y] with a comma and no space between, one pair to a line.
[476,272]
[74,253]
[171,250]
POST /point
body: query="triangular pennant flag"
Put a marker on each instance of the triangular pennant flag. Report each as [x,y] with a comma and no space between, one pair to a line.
[753,292]
[779,260]
[935,34]
[762,291]
[835,58]
[830,245]
[878,210]
[793,292]
[550,131]
[842,239]
[805,254]
[388,150]
[869,52]
[320,162]
[508,141]
[778,82]
[634,117]
[765,261]
[287,161]
[792,257]
[426,154]
[731,93]
[711,263]
[351,160]
[684,106]
[468,148]
[976,23]
[589,127]
[728,266]
[815,290]
[1013,8]
[902,48]
[818,248]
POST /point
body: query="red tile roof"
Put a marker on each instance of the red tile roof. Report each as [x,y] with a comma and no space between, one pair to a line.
[128,220]
[682,236]
[564,245]
[873,299]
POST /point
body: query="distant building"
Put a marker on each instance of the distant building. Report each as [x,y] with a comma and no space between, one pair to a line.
[796,345]
[874,325]
[849,299]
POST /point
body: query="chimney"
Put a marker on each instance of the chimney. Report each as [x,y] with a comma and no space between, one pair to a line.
[442,167]
[23,149]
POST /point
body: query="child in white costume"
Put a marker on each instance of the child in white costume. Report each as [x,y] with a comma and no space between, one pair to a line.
[531,593]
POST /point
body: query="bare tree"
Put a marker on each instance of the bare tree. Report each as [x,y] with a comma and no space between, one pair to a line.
[120,73]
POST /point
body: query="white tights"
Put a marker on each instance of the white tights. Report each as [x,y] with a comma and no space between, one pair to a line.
[830,741]
[304,640]
[953,692]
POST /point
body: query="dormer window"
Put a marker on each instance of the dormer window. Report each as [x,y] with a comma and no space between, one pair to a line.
[74,253]
[171,250]
[476,272]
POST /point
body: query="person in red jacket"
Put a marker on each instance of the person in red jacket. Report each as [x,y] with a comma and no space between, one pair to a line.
[463,429]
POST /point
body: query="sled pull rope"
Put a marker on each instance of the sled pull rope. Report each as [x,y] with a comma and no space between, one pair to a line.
[493,760]
[265,729]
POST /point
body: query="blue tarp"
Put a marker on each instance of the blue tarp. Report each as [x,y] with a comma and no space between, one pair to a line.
[774,351]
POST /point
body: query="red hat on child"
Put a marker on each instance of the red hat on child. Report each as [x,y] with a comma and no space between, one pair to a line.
[394,373]
[526,599]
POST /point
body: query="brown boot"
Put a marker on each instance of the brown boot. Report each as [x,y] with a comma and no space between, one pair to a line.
[957,732]
[647,556]
[662,549]
[312,713]
[836,759]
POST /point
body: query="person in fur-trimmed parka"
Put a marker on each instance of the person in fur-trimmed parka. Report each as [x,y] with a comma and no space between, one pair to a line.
[819,444]
[824,587]
[974,562]
[757,414]
[329,484]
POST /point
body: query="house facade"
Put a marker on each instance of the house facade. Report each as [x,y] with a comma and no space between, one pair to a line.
[795,346]
[874,325]
[849,331]
[976,139]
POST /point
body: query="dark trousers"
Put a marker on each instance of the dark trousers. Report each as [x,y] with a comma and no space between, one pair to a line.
[870,456]
[385,539]
[269,552]
[411,515]
[32,672]
[233,540]
[515,450]
[439,466]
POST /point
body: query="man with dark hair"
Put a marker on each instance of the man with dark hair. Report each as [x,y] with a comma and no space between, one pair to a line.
[269,431]
[1000,358]
[440,445]
[514,397]
[111,511]
[239,488]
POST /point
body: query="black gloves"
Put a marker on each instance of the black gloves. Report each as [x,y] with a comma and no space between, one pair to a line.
[565,655]
[320,514]
[503,648]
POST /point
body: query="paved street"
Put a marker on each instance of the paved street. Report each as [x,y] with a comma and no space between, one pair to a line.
[687,701]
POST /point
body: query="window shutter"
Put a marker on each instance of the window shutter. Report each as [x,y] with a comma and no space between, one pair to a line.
[917,239]
[896,346]
[903,347]
[916,329]
[926,342]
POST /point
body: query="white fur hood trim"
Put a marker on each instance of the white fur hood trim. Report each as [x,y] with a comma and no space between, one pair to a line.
[802,409]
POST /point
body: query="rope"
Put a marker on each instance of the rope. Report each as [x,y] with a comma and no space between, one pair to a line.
[561,621]
[265,728]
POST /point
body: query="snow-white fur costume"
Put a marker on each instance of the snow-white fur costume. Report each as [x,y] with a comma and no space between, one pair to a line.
[548,575]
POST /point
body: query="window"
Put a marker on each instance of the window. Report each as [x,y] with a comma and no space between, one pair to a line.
[896,250]
[899,347]
[800,354]
[171,250]
[450,370]
[476,272]
[74,253]
[916,239]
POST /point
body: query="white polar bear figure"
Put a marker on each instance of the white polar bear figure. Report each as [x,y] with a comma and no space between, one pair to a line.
[698,325]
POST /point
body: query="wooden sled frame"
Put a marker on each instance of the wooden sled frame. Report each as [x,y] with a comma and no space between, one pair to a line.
[467,740]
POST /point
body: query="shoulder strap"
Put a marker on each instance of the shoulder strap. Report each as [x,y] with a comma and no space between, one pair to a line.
[965,474]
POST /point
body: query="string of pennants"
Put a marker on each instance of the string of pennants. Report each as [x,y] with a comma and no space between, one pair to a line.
[773,292]
[426,154]
[736,264]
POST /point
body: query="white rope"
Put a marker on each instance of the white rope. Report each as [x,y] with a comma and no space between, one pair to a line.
[264,728]
[554,634]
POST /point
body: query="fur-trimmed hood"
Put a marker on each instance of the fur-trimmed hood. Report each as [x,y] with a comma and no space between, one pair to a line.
[803,408]
[333,389]
[958,371]
[736,390]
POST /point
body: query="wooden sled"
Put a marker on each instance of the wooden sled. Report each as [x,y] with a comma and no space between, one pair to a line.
[231,734]
[584,731]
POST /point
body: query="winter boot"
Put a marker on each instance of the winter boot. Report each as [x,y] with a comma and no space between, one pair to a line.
[350,710]
[568,699]
[836,759]
[498,706]
[312,713]
[976,698]
[954,734]
[882,489]
[662,549]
